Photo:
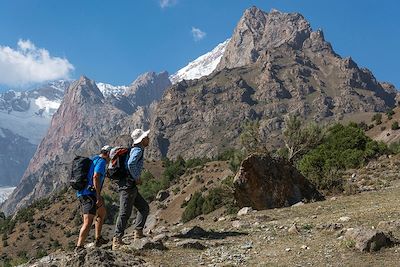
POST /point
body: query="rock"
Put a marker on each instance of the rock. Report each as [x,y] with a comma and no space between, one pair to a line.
[298,204]
[248,245]
[160,237]
[264,182]
[370,240]
[293,229]
[194,232]
[244,211]
[188,198]
[89,258]
[162,195]
[288,249]
[146,243]
[304,247]
[239,224]
[344,219]
[192,244]
[220,219]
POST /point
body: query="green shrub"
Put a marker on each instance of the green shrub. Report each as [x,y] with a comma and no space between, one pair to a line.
[343,147]
[194,207]
[377,118]
[395,125]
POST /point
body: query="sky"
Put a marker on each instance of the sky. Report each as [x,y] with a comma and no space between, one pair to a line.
[115,41]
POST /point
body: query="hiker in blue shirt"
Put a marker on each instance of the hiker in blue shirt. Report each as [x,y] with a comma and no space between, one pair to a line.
[92,203]
[129,194]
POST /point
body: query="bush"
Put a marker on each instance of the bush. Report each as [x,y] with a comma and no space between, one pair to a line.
[235,158]
[215,199]
[193,208]
[395,125]
[377,118]
[343,147]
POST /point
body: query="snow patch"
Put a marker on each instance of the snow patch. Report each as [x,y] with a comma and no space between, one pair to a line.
[108,89]
[5,192]
[202,66]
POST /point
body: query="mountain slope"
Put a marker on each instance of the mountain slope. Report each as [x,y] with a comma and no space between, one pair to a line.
[274,65]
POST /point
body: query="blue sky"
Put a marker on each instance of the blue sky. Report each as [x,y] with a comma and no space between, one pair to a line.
[115,41]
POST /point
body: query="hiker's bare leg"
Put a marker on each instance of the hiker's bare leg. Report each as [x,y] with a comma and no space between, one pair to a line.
[101,215]
[87,223]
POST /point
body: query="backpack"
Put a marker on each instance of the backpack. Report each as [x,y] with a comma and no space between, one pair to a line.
[116,169]
[79,172]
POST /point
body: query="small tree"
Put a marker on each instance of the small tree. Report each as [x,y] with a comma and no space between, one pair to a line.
[395,125]
[250,136]
[299,140]
[377,118]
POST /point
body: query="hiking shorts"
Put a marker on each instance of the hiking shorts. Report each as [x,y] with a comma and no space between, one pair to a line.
[88,204]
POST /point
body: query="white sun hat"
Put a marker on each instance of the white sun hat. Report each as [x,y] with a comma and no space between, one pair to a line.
[138,135]
[106,148]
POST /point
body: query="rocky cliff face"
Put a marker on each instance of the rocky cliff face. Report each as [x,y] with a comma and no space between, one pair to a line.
[274,65]
[146,88]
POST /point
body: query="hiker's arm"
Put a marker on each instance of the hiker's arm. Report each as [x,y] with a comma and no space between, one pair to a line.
[133,167]
[97,187]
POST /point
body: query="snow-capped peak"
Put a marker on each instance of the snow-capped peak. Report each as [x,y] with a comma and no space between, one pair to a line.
[201,66]
[108,89]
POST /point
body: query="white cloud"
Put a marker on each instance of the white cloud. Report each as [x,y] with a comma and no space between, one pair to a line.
[28,64]
[167,3]
[198,34]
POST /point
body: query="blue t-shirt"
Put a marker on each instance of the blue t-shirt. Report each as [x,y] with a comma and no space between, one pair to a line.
[98,166]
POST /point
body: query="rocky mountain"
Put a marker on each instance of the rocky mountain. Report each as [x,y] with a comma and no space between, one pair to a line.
[85,121]
[201,66]
[274,65]
[147,87]
[24,119]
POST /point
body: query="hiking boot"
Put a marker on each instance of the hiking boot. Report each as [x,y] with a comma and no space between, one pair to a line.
[138,234]
[100,241]
[118,243]
[79,249]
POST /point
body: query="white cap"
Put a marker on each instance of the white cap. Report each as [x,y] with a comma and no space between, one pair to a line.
[138,135]
[106,148]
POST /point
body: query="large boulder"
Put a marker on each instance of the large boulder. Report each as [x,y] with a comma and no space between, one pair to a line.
[264,182]
[370,240]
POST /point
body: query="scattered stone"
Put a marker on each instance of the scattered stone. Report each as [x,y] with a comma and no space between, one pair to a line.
[304,247]
[191,244]
[370,240]
[160,237]
[293,229]
[162,195]
[188,198]
[221,219]
[244,211]
[333,198]
[298,204]
[344,219]
[248,245]
[288,249]
[194,232]
[145,244]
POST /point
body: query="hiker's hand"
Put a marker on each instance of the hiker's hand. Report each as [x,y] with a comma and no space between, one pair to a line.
[138,181]
[99,202]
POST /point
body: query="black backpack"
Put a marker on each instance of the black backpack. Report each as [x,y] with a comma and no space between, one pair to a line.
[79,172]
